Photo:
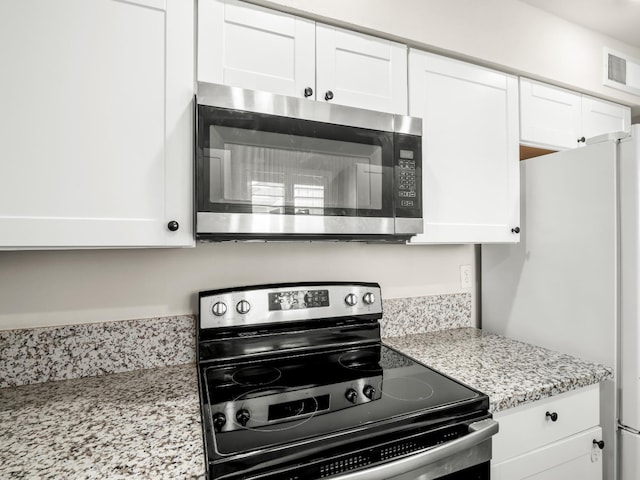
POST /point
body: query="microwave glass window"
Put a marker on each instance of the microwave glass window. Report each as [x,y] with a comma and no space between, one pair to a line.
[266,172]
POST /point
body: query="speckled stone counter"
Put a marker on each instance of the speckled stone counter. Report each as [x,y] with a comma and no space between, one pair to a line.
[510,372]
[146,423]
[140,424]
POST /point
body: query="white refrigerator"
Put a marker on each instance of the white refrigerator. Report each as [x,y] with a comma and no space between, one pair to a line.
[573,281]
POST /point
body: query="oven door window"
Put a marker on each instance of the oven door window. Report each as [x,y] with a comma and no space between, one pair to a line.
[252,163]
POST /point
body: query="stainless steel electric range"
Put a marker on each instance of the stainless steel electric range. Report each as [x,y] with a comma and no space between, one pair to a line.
[295,384]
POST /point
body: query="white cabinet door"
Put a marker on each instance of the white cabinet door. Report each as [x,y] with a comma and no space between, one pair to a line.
[575,411]
[96,125]
[549,116]
[575,457]
[600,116]
[247,46]
[559,119]
[470,150]
[361,71]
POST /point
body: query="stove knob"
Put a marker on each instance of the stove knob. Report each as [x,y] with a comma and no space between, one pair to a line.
[218,421]
[369,298]
[351,299]
[351,395]
[243,417]
[219,309]
[243,307]
[369,391]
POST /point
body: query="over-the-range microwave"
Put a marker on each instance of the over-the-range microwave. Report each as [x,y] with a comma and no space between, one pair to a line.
[271,167]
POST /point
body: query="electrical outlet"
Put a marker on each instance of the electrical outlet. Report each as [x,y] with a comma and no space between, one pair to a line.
[465,276]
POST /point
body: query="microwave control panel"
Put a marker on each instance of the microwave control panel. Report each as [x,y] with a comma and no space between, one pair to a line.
[408,176]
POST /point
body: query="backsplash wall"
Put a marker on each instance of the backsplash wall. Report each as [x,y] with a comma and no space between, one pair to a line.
[56,353]
[45,288]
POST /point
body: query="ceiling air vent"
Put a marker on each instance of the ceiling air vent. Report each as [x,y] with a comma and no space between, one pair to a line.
[617,69]
[621,72]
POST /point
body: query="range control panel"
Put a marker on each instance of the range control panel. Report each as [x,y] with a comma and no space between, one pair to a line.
[247,306]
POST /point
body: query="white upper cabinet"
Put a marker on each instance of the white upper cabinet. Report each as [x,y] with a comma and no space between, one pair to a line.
[470,153]
[549,116]
[360,70]
[558,119]
[248,46]
[600,116]
[97,123]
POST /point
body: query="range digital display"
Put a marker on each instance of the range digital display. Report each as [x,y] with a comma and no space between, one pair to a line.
[298,299]
[298,407]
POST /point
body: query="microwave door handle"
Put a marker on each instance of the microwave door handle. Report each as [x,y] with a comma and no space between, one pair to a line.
[479,432]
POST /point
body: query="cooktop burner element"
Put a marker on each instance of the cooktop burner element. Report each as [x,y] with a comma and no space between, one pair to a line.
[256,375]
[361,360]
[285,390]
[407,389]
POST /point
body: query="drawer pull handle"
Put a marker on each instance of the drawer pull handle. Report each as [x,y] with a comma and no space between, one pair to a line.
[553,416]
[600,443]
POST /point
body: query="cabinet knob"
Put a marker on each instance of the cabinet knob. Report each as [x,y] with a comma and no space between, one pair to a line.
[582,140]
[308,92]
[173,225]
[515,230]
[553,416]
[328,96]
[599,444]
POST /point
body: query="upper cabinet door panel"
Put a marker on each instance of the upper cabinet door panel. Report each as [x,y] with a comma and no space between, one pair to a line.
[360,70]
[558,119]
[85,123]
[247,46]
[470,150]
[600,116]
[549,116]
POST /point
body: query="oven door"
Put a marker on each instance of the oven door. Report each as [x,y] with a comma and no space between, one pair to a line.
[466,458]
[260,174]
[455,451]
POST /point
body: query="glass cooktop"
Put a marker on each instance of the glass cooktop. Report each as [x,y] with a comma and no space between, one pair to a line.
[259,404]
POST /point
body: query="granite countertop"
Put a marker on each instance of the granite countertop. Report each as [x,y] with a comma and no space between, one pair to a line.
[510,372]
[139,424]
[146,423]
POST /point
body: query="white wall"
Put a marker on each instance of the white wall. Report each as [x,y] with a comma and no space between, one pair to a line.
[505,34]
[67,287]
[70,287]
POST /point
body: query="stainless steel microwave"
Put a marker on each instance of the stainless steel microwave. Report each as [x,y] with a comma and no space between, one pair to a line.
[270,167]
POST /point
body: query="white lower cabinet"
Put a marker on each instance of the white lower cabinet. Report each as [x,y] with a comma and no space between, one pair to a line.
[551,439]
[571,458]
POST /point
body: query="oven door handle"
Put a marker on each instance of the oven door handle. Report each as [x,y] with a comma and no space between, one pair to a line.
[478,433]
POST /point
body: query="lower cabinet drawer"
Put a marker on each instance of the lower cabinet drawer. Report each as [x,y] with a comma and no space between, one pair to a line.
[531,426]
[576,457]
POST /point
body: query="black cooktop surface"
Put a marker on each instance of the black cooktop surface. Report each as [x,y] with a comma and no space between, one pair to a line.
[260,404]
